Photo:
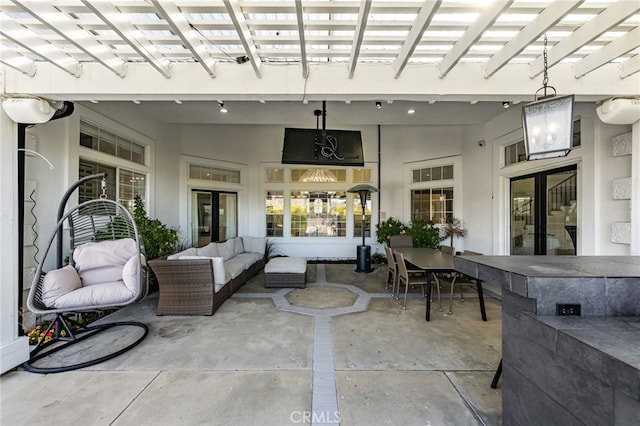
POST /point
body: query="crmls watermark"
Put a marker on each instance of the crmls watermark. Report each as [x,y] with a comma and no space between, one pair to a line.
[308,417]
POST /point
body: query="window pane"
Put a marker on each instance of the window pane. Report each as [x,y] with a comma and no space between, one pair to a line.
[357,217]
[436,173]
[416,176]
[447,172]
[131,184]
[107,142]
[318,213]
[123,148]
[92,189]
[361,175]
[274,175]
[275,213]
[425,175]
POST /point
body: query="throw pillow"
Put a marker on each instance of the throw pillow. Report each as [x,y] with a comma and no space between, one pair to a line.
[210,250]
[59,282]
[103,261]
[238,248]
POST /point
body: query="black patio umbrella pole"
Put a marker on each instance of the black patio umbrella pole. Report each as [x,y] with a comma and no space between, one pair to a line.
[363,260]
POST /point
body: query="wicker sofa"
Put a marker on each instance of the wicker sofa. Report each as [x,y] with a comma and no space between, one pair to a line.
[197,281]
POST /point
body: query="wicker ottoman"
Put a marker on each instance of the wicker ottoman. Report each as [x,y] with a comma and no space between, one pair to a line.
[282,272]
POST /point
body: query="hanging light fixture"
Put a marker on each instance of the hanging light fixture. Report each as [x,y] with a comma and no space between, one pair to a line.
[547,122]
[318,176]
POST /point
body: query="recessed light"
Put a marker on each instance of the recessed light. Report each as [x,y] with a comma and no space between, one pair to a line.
[411,111]
[378,104]
[135,101]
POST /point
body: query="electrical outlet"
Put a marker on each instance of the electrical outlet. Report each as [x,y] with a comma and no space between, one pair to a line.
[568,309]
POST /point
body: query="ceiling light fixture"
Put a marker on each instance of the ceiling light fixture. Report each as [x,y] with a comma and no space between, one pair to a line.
[411,111]
[506,104]
[318,176]
[378,104]
[547,122]
[222,108]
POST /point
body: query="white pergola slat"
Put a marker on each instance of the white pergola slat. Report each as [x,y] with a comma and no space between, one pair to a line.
[63,25]
[472,34]
[363,16]
[418,28]
[614,49]
[130,35]
[36,44]
[301,39]
[182,29]
[381,47]
[239,22]
[609,18]
[18,62]
[549,17]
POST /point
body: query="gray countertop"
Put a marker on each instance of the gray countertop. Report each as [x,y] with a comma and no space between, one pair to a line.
[602,285]
[561,266]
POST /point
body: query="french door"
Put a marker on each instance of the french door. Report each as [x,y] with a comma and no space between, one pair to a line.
[543,213]
[214,216]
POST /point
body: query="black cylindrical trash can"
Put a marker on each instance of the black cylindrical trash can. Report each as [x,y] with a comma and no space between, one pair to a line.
[363,262]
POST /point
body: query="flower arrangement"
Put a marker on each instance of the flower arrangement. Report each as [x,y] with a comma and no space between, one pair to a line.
[44,332]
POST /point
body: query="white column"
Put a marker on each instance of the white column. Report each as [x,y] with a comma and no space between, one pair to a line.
[635,189]
[14,350]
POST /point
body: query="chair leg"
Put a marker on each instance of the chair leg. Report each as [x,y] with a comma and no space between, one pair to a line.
[436,282]
[453,283]
[406,290]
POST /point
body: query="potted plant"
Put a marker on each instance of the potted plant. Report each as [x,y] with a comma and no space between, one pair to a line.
[453,228]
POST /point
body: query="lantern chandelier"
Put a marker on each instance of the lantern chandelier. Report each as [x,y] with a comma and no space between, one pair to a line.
[548,121]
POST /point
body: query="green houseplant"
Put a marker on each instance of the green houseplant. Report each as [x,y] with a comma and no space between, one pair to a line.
[387,228]
[424,234]
[159,239]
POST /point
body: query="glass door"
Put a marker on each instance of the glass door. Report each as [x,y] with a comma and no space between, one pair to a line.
[543,213]
[214,216]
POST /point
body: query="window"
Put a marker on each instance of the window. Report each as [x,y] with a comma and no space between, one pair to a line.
[124,165]
[432,204]
[101,140]
[318,213]
[275,213]
[515,152]
[215,174]
[129,183]
[357,217]
[318,175]
[274,175]
[430,174]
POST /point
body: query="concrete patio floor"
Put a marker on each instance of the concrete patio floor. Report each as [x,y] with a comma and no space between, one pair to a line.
[340,351]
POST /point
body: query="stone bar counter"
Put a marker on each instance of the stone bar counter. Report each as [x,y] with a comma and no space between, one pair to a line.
[567,370]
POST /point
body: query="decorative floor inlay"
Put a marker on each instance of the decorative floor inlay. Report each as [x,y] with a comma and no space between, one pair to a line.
[321,297]
[312,301]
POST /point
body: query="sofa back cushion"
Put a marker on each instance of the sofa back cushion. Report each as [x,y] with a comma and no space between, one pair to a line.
[238,248]
[210,250]
[254,244]
[226,249]
[191,251]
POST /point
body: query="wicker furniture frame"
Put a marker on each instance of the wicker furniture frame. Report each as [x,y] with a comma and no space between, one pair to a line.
[186,287]
[285,279]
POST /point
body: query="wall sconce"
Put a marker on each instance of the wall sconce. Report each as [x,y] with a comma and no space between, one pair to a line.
[547,122]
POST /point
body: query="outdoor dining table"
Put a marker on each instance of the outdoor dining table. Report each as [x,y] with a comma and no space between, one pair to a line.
[434,261]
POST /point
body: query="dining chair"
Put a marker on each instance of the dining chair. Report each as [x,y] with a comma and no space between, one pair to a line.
[392,269]
[396,241]
[461,280]
[412,277]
